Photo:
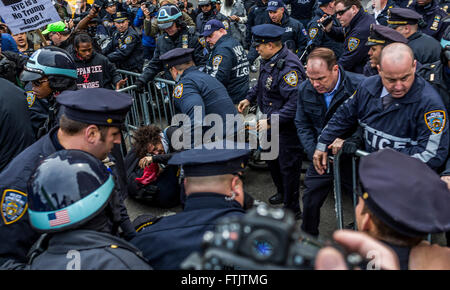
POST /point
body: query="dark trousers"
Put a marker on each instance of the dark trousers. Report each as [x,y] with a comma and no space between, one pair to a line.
[285,171]
[317,188]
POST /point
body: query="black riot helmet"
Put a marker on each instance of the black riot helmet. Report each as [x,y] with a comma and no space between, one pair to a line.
[49,61]
[167,15]
[68,189]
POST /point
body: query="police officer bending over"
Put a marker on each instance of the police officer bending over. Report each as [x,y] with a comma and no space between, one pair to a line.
[397,211]
[227,60]
[214,190]
[70,200]
[395,96]
[176,34]
[318,99]
[88,124]
[125,48]
[276,95]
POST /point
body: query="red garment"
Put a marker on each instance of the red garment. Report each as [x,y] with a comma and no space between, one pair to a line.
[150,174]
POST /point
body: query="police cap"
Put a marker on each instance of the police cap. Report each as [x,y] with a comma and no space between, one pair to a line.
[96,106]
[177,56]
[110,3]
[120,16]
[402,16]
[211,26]
[404,193]
[380,34]
[265,33]
[215,158]
[273,5]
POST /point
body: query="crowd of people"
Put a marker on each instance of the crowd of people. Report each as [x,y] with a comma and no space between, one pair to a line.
[334,76]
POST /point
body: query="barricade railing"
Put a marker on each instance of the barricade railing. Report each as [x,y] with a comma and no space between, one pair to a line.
[153,106]
[338,185]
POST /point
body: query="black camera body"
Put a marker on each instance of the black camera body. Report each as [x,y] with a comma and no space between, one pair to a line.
[150,7]
[325,22]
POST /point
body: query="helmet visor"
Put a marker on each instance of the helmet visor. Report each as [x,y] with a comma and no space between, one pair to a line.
[28,75]
[165,25]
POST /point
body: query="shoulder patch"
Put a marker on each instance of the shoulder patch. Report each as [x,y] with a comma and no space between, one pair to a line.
[30,98]
[216,61]
[178,91]
[128,39]
[13,205]
[313,32]
[291,78]
[202,41]
[225,23]
[435,121]
[353,43]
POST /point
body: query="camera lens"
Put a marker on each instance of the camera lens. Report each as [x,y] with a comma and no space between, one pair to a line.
[262,248]
[262,244]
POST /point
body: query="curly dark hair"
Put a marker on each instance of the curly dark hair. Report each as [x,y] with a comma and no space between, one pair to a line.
[144,136]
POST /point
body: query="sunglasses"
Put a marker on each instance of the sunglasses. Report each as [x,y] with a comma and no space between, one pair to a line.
[38,83]
[340,13]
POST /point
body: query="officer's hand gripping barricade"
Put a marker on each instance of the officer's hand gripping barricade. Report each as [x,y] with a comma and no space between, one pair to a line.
[266,238]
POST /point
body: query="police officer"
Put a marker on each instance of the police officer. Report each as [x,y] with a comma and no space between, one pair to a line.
[94,69]
[257,15]
[71,224]
[209,12]
[318,37]
[401,220]
[432,16]
[302,10]
[426,49]
[125,48]
[354,32]
[51,71]
[107,20]
[295,36]
[176,34]
[379,37]
[318,99]
[214,190]
[90,124]
[395,96]
[198,95]
[276,95]
[227,60]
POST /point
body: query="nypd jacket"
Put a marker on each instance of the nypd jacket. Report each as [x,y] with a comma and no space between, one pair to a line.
[276,90]
[125,50]
[433,17]
[86,250]
[320,38]
[415,124]
[186,38]
[301,9]
[97,72]
[228,63]
[312,112]
[294,36]
[354,37]
[167,243]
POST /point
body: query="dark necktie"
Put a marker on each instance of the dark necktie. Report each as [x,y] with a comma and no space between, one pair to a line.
[387,101]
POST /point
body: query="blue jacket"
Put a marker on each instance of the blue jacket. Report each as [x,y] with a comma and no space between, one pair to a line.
[147,41]
[8,43]
[295,36]
[320,38]
[312,112]
[172,239]
[276,90]
[354,37]
[228,63]
[415,124]
[256,15]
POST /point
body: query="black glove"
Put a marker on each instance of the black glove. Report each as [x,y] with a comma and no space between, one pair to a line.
[349,147]
[140,86]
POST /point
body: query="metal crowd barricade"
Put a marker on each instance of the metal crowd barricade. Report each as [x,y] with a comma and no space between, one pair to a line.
[338,187]
[153,106]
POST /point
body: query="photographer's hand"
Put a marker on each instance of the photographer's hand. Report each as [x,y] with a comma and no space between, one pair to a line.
[329,25]
[331,259]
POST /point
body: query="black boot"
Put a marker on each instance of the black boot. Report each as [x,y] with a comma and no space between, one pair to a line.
[276,199]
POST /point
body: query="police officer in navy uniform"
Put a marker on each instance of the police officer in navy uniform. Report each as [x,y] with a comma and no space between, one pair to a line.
[76,219]
[49,71]
[379,37]
[317,35]
[426,49]
[328,87]
[125,49]
[432,16]
[302,10]
[227,60]
[214,190]
[198,95]
[276,95]
[91,124]
[257,15]
[209,12]
[176,34]
[396,211]
[354,32]
[380,104]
